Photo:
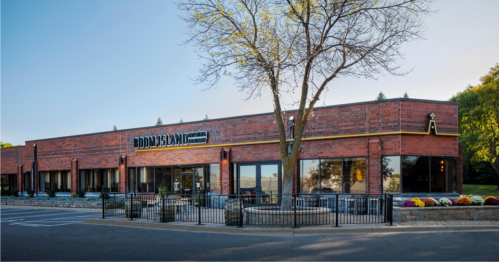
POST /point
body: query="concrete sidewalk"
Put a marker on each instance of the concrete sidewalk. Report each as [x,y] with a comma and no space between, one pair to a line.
[55,208]
[286,231]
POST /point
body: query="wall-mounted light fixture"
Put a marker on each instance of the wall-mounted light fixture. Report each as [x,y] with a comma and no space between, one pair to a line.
[223,154]
[121,160]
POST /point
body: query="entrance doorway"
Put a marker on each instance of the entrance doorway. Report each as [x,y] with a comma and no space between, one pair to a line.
[259,183]
[187,184]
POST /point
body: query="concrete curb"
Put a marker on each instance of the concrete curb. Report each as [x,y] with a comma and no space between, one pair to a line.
[288,231]
[55,208]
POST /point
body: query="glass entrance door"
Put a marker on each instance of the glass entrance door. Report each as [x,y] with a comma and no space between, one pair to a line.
[187,184]
[259,183]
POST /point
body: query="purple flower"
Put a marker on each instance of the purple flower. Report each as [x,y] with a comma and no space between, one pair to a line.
[453,201]
[408,204]
[491,201]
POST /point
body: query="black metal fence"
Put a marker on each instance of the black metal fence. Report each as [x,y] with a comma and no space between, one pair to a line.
[253,210]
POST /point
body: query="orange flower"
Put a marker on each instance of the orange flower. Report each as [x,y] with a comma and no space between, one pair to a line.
[429,202]
[464,201]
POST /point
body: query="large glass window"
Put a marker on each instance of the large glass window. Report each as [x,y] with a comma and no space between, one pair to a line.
[9,182]
[60,181]
[163,178]
[331,175]
[391,174]
[309,171]
[269,179]
[100,180]
[176,180]
[415,174]
[443,175]
[27,181]
[247,176]
[145,179]
[215,178]
[132,178]
[199,180]
[354,175]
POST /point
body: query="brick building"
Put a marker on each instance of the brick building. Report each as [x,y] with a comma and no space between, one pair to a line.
[399,146]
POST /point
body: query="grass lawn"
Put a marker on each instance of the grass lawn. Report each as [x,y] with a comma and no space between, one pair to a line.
[485,190]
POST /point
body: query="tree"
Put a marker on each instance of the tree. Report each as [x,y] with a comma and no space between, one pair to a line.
[159,123]
[114,128]
[181,121]
[479,120]
[206,118]
[380,96]
[406,95]
[3,145]
[298,47]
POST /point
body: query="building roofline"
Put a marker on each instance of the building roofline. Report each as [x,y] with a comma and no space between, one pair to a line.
[254,115]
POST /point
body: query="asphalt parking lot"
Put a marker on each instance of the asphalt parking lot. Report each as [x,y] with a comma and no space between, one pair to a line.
[58,235]
[43,217]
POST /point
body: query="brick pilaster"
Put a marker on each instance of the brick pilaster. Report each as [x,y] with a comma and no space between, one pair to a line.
[225,173]
[20,177]
[123,171]
[75,178]
[374,167]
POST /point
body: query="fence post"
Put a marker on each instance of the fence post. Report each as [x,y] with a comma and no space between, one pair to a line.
[103,205]
[337,207]
[199,210]
[390,209]
[294,199]
[130,213]
[162,218]
[240,212]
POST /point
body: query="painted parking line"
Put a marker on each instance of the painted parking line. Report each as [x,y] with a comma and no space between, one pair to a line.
[17,213]
[55,214]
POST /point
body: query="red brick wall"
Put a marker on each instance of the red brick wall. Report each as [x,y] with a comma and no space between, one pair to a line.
[460,170]
[103,150]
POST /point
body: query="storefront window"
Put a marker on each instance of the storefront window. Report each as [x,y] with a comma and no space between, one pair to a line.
[269,179]
[415,174]
[331,175]
[163,179]
[132,178]
[391,174]
[443,175]
[215,178]
[60,181]
[309,171]
[27,181]
[199,180]
[145,179]
[176,180]
[100,180]
[9,182]
[354,175]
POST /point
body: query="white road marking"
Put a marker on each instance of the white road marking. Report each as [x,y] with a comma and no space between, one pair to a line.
[18,213]
[43,215]
[38,225]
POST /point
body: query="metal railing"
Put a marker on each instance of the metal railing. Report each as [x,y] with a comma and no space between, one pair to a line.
[253,210]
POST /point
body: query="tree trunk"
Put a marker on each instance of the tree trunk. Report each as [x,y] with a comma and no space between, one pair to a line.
[287,190]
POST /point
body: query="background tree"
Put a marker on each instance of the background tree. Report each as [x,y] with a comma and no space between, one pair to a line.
[298,47]
[181,121]
[206,118]
[160,122]
[380,96]
[114,128]
[3,145]
[406,95]
[479,120]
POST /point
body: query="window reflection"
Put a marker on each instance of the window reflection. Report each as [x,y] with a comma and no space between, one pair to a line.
[391,174]
[309,170]
[415,174]
[215,178]
[331,175]
[354,175]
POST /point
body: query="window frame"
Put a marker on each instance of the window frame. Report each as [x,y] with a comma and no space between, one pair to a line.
[429,174]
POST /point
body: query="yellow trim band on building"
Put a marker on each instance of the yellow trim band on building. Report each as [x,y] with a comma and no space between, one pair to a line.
[304,139]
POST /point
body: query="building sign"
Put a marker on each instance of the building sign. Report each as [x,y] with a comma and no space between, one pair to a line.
[200,137]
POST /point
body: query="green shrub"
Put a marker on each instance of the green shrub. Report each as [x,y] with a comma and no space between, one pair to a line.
[144,203]
[73,195]
[51,192]
[81,193]
[30,192]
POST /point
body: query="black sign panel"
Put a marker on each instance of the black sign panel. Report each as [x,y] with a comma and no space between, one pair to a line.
[191,138]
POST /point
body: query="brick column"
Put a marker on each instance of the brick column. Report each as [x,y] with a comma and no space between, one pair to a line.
[20,178]
[460,169]
[123,170]
[374,167]
[225,173]
[36,177]
[75,178]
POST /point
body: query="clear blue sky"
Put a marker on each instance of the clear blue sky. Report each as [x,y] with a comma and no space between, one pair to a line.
[82,66]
